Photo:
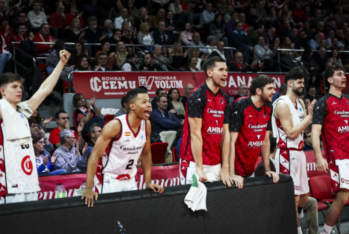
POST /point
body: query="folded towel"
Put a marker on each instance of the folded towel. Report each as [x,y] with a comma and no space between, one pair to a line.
[108,111]
[16,125]
[196,196]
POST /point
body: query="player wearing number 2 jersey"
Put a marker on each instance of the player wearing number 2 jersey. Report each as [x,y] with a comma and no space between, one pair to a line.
[128,138]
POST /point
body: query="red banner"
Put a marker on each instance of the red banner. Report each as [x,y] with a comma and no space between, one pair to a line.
[234,80]
[108,85]
[311,165]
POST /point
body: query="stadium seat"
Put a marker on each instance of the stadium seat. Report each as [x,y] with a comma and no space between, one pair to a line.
[174,155]
[108,118]
[158,152]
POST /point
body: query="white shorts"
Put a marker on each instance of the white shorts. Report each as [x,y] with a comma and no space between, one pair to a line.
[340,174]
[187,169]
[112,185]
[20,197]
[293,162]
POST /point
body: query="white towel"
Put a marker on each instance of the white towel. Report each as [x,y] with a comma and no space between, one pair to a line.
[196,196]
[108,111]
[294,113]
[16,126]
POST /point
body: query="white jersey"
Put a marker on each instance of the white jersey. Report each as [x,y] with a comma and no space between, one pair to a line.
[18,173]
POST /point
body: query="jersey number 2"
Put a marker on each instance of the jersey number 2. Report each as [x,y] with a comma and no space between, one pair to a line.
[130,164]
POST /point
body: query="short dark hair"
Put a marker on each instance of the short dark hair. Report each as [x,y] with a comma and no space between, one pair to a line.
[9,77]
[102,54]
[211,63]
[330,70]
[59,112]
[158,91]
[32,121]
[151,54]
[159,98]
[92,129]
[131,95]
[44,24]
[19,25]
[311,87]
[143,87]
[259,82]
[123,101]
[104,42]
[36,138]
[296,73]
[130,55]
[76,99]
[20,12]
[116,30]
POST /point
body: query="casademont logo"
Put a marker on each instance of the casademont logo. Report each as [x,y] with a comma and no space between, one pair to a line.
[95,83]
[143,81]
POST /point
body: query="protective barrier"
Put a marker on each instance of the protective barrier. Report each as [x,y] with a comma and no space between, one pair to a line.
[260,207]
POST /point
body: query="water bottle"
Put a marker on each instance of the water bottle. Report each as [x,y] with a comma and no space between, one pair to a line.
[83,187]
[60,191]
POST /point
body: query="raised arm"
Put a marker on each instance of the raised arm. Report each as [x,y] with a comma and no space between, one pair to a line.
[50,82]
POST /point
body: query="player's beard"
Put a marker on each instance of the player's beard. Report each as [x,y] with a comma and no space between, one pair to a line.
[265,98]
[297,92]
[216,84]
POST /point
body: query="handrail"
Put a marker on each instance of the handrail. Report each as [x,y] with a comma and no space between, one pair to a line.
[24,53]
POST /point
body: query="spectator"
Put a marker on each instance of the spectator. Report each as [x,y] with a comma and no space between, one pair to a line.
[178,58]
[36,17]
[228,15]
[310,65]
[5,29]
[108,29]
[321,59]
[83,64]
[211,43]
[93,33]
[240,41]
[128,36]
[170,24]
[144,37]
[44,36]
[294,38]
[120,54]
[74,33]
[217,28]
[156,19]
[196,43]
[162,93]
[53,60]
[253,20]
[340,37]
[142,18]
[36,115]
[330,37]
[68,156]
[239,65]
[261,13]
[176,8]
[173,95]
[110,56]
[314,43]
[335,58]
[62,121]
[263,53]
[187,91]
[231,24]
[101,64]
[289,55]
[123,110]
[22,19]
[339,17]
[79,51]
[34,125]
[58,20]
[122,18]
[207,15]
[303,39]
[269,35]
[73,14]
[93,134]
[5,54]
[299,14]
[219,51]
[115,11]
[336,45]
[193,63]
[116,37]
[187,14]
[132,10]
[311,93]
[282,92]
[160,36]
[253,37]
[44,163]
[243,92]
[345,64]
[148,63]
[131,63]
[186,36]
[162,119]
[160,59]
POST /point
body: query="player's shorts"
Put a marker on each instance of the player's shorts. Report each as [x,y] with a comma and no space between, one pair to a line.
[293,162]
[188,168]
[107,184]
[20,197]
[339,174]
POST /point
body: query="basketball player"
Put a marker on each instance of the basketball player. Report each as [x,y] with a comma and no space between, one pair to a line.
[289,121]
[128,138]
[19,182]
[331,118]
[250,126]
[207,138]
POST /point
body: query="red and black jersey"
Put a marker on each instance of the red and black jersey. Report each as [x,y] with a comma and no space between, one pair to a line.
[333,114]
[213,109]
[251,123]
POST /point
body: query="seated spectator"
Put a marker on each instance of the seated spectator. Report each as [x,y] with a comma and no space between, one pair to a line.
[162,93]
[240,41]
[74,32]
[156,19]
[5,54]
[93,134]
[73,14]
[101,64]
[163,60]
[34,125]
[22,19]
[68,155]
[53,60]
[299,14]
[231,24]
[207,15]
[253,36]
[44,36]
[123,110]
[173,95]
[115,11]
[186,36]
[310,64]
[122,18]
[148,63]
[289,55]
[170,24]
[127,35]
[79,51]
[245,27]
[200,60]
[228,15]
[179,59]
[36,17]
[44,163]
[36,115]
[196,43]
[83,64]
[330,36]
[120,54]
[311,93]
[303,39]
[193,63]
[162,119]
[161,36]
[176,8]
[336,45]
[217,28]
[59,21]
[94,34]
[314,43]
[282,92]
[269,35]
[142,18]
[334,58]
[144,37]
[116,37]
[239,65]
[219,51]
[85,112]
[263,53]
[252,19]
[5,28]
[295,39]
[108,29]
[187,91]
[110,56]
[243,92]
[131,63]
[62,121]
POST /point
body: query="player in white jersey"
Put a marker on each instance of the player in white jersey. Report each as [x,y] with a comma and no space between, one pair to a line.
[128,138]
[289,121]
[18,175]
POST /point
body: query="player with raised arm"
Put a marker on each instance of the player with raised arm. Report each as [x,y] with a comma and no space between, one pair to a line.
[122,141]
[18,175]
[250,126]
[289,121]
[331,118]
[205,141]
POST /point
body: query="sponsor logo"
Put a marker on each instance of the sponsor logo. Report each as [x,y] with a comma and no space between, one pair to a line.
[297,187]
[199,99]
[250,116]
[2,188]
[127,134]
[15,186]
[257,126]
[107,181]
[335,175]
[142,81]
[214,130]
[343,129]
[215,111]
[128,140]
[25,146]
[332,151]
[134,148]
[95,84]
[293,158]
[209,100]
[123,177]
[141,136]
[333,103]
[284,152]
[341,112]
[22,116]
[300,109]
[27,165]
[222,101]
[344,181]
[346,121]
[258,136]
[285,171]
[317,108]
[255,144]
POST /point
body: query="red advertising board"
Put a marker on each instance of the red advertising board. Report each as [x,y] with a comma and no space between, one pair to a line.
[234,80]
[109,85]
